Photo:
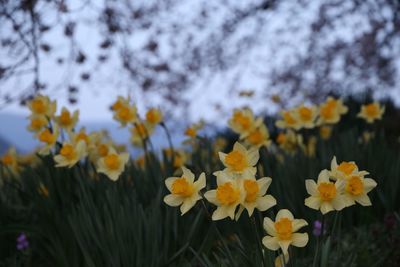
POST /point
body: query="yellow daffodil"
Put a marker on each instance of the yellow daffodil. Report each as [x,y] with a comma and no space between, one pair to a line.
[331,111]
[255,197]
[366,136]
[356,189]
[281,260]
[311,149]
[41,105]
[325,195]
[9,160]
[49,138]
[70,154]
[82,135]
[243,122]
[343,170]
[125,113]
[179,156]
[37,123]
[371,112]
[306,116]
[227,197]
[100,150]
[66,120]
[282,232]
[325,132]
[140,132]
[290,141]
[240,161]
[31,159]
[113,164]
[289,120]
[192,132]
[258,137]
[184,190]
[120,102]
[154,116]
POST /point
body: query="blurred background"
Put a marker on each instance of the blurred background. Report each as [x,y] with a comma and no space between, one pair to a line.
[194,59]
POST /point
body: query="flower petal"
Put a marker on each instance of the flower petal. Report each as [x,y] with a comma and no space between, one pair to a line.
[298,223]
[269,226]
[363,200]
[265,202]
[270,242]
[173,200]
[299,239]
[284,213]
[313,202]
[311,187]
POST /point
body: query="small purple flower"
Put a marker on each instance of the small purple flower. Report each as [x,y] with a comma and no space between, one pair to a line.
[317,228]
[22,242]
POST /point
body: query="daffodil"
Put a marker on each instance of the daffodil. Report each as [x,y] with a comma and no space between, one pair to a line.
[184,190]
[356,189]
[282,232]
[113,164]
[288,121]
[240,161]
[366,136]
[243,122]
[66,120]
[70,154]
[331,111]
[371,112]
[41,105]
[325,132]
[37,123]
[281,260]
[227,197]
[154,116]
[120,102]
[179,156]
[82,135]
[125,113]
[100,150]
[311,148]
[192,132]
[306,116]
[258,137]
[255,197]
[325,195]
[49,138]
[140,132]
[9,160]
[290,141]
[31,159]
[343,170]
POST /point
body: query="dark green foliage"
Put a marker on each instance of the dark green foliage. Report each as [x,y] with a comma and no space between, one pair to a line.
[88,220]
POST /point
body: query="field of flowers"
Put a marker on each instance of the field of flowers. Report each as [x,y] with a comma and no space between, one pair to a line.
[317,186]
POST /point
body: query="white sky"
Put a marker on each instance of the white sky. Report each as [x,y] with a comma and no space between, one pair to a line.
[277,45]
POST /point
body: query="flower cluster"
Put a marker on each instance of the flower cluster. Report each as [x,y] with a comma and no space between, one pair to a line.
[126,114]
[68,146]
[251,130]
[238,190]
[342,186]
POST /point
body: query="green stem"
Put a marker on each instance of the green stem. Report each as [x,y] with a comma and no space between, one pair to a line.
[258,241]
[220,237]
[315,260]
[171,146]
